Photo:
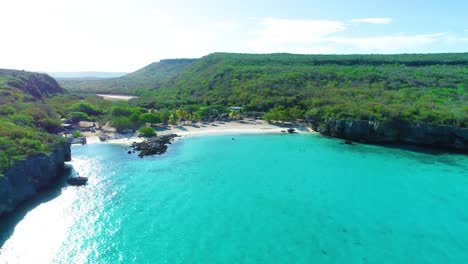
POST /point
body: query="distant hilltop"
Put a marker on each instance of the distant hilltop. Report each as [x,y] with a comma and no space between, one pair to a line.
[86,75]
[147,77]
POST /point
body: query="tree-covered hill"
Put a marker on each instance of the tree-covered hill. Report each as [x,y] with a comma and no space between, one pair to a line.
[148,77]
[35,84]
[25,118]
[426,88]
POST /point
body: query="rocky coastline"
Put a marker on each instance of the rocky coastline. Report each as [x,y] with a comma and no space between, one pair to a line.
[447,137]
[28,177]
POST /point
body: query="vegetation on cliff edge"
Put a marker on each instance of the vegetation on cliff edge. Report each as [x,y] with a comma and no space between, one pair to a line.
[26,121]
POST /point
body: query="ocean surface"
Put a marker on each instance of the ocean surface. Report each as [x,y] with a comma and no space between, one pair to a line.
[251,199]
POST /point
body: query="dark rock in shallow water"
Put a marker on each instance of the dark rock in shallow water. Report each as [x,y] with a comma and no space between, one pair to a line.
[153,146]
[291,130]
[77,181]
[348,142]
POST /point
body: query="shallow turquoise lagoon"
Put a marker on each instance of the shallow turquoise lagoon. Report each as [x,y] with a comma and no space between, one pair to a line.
[254,199]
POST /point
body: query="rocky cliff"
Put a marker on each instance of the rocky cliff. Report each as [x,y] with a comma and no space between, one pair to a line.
[27,177]
[395,132]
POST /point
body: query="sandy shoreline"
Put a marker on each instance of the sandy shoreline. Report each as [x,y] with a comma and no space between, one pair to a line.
[116,97]
[201,129]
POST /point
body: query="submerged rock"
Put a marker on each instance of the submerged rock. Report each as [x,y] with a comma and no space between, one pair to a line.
[153,146]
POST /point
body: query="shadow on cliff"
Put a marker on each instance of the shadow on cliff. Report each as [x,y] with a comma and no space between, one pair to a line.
[9,221]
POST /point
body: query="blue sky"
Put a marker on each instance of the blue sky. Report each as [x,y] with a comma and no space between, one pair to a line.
[124,35]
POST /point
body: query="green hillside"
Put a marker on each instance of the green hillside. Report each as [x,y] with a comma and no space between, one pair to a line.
[427,88]
[25,118]
[148,77]
[34,84]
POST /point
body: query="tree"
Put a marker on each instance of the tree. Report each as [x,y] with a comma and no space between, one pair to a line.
[234,114]
[147,131]
[77,134]
[164,115]
[76,117]
[5,156]
[296,113]
[50,124]
[85,107]
[173,119]
[121,111]
[122,123]
[278,113]
[182,115]
[150,118]
[212,112]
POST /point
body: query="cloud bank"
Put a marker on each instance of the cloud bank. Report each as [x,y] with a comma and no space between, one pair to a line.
[373,20]
[330,36]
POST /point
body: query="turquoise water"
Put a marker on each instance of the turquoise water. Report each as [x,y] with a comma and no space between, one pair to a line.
[255,199]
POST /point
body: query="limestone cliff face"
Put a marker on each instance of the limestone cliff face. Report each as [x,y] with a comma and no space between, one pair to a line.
[395,132]
[25,178]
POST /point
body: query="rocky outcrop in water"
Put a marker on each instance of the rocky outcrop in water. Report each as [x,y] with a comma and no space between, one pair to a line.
[153,146]
[27,177]
[395,132]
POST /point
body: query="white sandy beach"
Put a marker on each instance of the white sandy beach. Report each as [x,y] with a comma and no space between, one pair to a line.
[116,97]
[200,129]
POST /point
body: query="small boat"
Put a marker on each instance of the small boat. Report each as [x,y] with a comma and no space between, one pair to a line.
[77,181]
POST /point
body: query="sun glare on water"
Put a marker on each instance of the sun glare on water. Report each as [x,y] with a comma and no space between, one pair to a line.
[43,234]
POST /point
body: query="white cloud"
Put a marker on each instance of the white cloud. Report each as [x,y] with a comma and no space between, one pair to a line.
[228,26]
[324,36]
[286,35]
[387,44]
[295,31]
[373,20]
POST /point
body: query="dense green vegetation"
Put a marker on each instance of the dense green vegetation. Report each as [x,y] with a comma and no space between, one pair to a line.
[427,88]
[146,78]
[123,116]
[147,131]
[25,119]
